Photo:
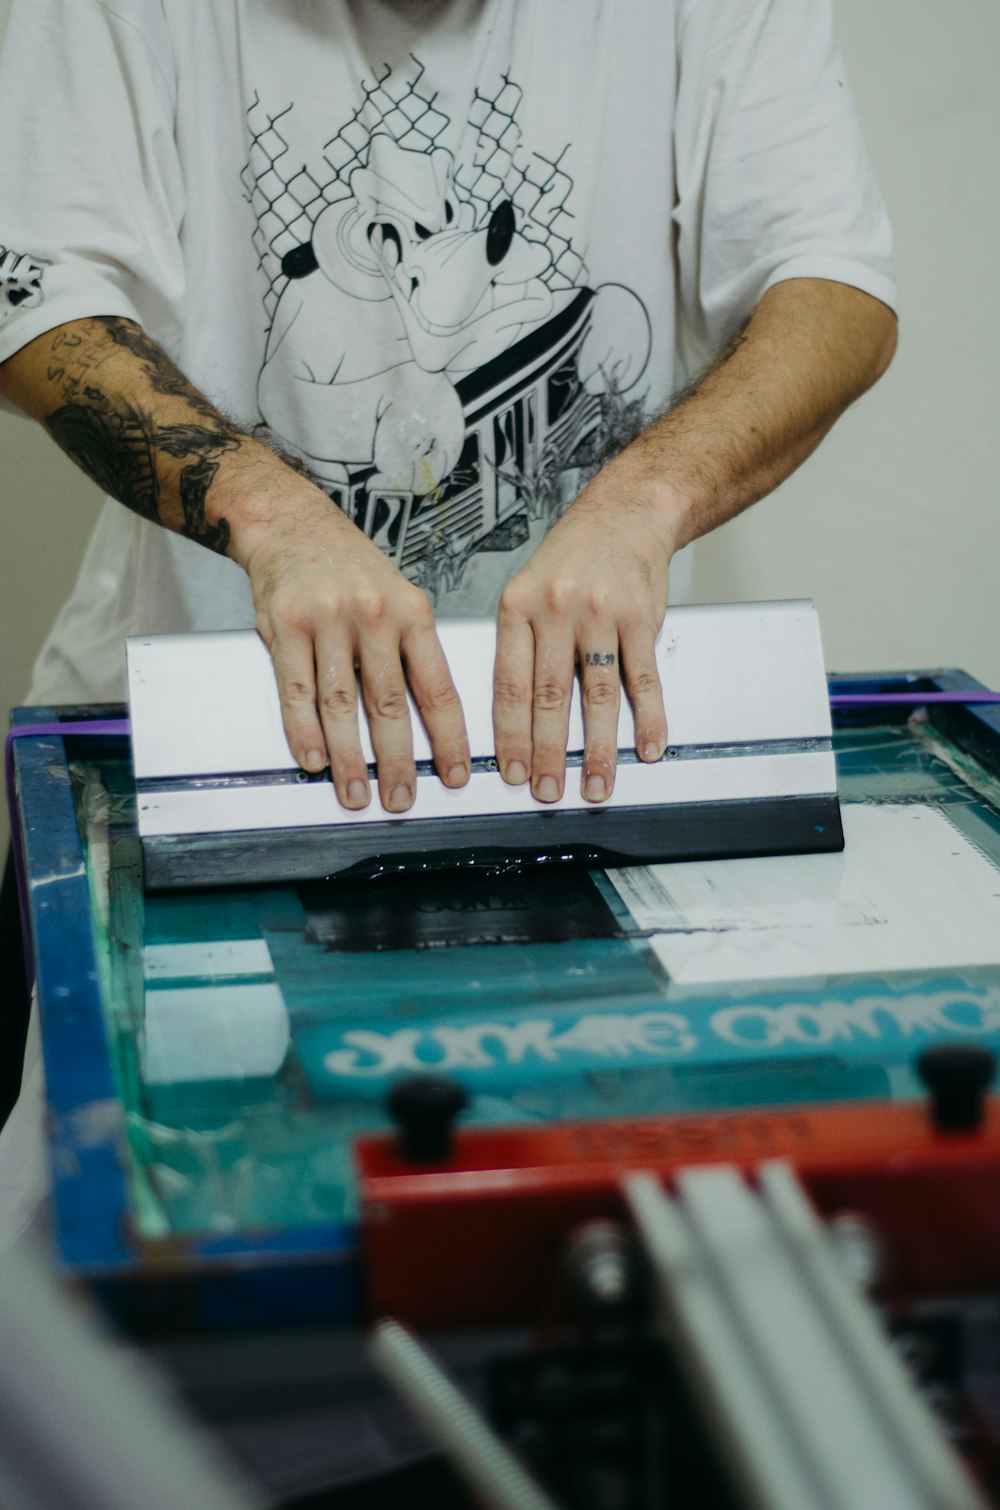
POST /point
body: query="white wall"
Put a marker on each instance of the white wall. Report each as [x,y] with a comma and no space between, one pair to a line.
[894,526]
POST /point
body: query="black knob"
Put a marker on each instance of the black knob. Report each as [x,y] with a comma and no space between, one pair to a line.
[425,1108]
[958,1075]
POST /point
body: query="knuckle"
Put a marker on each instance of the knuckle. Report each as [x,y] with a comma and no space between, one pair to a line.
[371,605]
[549,695]
[325,606]
[514,613]
[559,594]
[390,703]
[440,697]
[418,605]
[338,701]
[644,684]
[286,609]
[510,691]
[297,623]
[600,694]
[296,693]
[599,598]
[513,598]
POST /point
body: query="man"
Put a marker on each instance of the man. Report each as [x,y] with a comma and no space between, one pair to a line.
[438,251]
[347,303]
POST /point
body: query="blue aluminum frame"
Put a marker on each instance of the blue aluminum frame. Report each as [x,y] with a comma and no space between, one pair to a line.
[296,1276]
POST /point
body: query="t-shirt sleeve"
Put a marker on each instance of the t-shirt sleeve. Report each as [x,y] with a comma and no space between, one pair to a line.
[773,178]
[91,196]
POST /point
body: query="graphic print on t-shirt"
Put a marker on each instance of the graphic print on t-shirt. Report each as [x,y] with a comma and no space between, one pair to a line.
[20,281]
[435,351]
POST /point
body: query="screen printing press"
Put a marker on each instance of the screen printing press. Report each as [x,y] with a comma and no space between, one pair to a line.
[468,1094]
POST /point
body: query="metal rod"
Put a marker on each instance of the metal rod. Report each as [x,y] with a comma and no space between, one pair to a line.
[474,1449]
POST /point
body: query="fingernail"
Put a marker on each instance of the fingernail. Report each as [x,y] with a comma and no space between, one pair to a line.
[458,775]
[515,773]
[547,789]
[595,789]
[651,751]
[315,760]
[399,798]
[357,793]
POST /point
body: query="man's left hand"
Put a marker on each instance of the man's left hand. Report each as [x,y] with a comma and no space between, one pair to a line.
[590,600]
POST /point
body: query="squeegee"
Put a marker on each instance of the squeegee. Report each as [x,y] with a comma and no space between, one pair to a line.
[749,767]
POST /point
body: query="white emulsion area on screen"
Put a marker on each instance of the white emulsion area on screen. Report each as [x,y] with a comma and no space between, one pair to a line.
[909,892]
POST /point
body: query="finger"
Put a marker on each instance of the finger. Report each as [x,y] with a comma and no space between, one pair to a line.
[642,684]
[337,699]
[440,708]
[383,688]
[513,683]
[295,671]
[555,658]
[601,690]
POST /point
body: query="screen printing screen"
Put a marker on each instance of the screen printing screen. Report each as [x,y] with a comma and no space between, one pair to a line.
[255,1032]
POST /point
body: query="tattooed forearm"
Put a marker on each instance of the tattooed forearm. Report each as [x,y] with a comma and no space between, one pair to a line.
[186,440]
[114,444]
[122,410]
[121,444]
[195,482]
[162,374]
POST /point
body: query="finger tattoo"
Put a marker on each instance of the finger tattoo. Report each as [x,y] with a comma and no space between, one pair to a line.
[600,658]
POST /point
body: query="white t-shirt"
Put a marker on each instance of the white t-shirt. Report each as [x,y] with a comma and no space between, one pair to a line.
[441,250]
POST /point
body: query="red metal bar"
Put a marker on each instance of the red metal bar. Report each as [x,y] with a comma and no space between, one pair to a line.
[478,1239]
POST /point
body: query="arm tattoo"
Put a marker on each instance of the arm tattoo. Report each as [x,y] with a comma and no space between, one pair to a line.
[120,446]
[164,377]
[114,444]
[195,482]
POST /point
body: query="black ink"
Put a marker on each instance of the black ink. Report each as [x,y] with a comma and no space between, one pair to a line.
[600,658]
[164,377]
[118,446]
[195,482]
[114,446]
[187,440]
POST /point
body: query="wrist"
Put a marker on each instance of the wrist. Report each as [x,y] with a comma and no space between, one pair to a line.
[642,480]
[262,497]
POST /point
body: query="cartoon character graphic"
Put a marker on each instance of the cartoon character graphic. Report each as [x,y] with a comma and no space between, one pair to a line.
[435,353]
[398,294]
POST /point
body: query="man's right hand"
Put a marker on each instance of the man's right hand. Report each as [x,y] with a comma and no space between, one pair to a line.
[333,611]
[329,603]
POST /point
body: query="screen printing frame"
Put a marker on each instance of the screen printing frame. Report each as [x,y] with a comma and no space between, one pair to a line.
[292,1276]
